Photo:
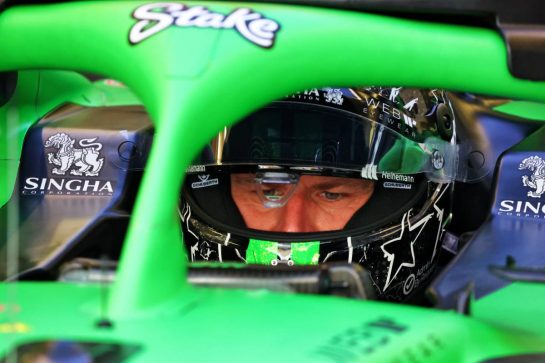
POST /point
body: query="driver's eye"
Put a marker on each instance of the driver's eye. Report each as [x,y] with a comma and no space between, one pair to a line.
[272,192]
[331,196]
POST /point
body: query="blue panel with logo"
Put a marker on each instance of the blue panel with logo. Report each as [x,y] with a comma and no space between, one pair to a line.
[79,171]
[521,186]
[509,246]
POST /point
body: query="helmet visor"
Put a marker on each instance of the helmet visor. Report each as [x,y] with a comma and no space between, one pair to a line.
[328,141]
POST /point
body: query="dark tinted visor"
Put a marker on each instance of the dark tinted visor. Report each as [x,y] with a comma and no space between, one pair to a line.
[317,137]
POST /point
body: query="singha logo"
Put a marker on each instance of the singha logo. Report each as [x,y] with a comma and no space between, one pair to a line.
[85,159]
[334,95]
[537,180]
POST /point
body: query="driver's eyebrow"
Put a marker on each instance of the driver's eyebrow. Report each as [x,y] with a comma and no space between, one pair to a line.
[340,183]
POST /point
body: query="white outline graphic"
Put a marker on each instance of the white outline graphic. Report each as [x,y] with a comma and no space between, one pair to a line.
[537,180]
[350,249]
[391,256]
[369,171]
[85,160]
[239,256]
[394,92]
[187,217]
[410,105]
[440,213]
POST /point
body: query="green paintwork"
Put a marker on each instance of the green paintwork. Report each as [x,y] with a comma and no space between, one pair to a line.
[263,252]
[192,82]
[37,93]
[305,253]
[524,109]
[211,325]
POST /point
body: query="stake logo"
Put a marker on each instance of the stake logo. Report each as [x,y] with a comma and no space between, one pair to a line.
[156,17]
[537,180]
[85,160]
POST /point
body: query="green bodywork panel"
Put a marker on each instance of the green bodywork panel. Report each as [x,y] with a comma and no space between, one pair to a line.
[209,325]
[38,93]
[193,81]
[525,109]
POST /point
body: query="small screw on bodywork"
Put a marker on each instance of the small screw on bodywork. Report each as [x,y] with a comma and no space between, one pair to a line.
[437,160]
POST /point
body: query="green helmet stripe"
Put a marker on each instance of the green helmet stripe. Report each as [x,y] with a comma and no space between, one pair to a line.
[264,252]
[305,253]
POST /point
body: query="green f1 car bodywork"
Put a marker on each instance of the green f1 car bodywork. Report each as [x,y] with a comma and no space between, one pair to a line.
[242,56]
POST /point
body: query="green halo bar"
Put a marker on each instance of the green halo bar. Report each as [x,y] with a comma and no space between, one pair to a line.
[193,81]
[177,71]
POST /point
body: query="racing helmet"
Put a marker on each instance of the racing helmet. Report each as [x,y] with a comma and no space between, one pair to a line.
[360,175]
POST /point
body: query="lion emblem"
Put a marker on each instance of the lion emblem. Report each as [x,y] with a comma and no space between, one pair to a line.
[537,180]
[85,160]
[333,95]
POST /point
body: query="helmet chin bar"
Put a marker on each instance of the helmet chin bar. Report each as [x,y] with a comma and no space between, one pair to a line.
[275,188]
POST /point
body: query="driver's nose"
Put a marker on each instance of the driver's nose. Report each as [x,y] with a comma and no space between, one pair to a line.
[294,216]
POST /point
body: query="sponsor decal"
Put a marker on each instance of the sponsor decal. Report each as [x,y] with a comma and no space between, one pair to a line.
[204,182]
[369,171]
[326,95]
[361,340]
[390,113]
[156,17]
[422,275]
[84,161]
[387,110]
[333,95]
[522,208]
[533,206]
[536,181]
[409,284]
[397,177]
[48,186]
[196,169]
[307,95]
[393,185]
[314,94]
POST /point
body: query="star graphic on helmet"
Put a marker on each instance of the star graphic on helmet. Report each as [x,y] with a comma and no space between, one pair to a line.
[395,250]
[439,214]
